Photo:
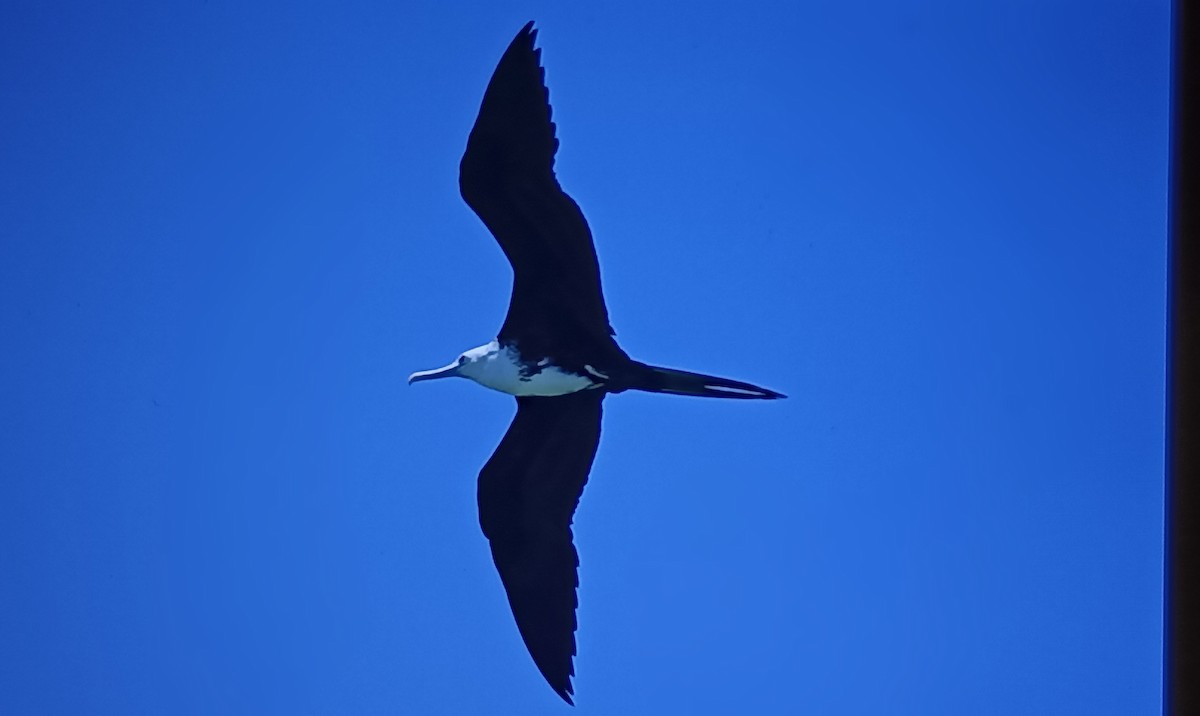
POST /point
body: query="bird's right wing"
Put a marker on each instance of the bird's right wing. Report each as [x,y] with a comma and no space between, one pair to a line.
[528,492]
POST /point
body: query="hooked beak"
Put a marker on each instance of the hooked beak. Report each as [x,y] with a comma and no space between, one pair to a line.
[446,372]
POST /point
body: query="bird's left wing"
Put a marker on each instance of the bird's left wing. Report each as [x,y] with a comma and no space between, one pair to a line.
[507,177]
[528,492]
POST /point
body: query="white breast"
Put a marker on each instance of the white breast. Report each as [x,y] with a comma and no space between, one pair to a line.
[500,369]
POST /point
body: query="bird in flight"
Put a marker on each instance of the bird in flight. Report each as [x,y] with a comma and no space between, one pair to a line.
[555,353]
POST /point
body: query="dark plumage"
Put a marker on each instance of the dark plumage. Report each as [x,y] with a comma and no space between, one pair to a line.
[557,329]
[507,177]
[528,492]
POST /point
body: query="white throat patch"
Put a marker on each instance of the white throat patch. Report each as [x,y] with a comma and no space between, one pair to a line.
[499,368]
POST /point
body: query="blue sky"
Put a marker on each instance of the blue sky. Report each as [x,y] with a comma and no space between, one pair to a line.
[227,234]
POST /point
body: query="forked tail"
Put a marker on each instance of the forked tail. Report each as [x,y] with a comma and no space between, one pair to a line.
[681,382]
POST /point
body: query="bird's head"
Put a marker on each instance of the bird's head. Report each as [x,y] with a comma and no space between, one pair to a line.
[465,366]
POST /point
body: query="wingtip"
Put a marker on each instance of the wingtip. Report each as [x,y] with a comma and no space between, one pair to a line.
[565,692]
[526,39]
[561,683]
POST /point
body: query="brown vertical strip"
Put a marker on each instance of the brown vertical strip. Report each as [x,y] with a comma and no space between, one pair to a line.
[1182,588]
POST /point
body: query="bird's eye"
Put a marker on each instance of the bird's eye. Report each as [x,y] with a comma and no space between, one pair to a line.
[462,360]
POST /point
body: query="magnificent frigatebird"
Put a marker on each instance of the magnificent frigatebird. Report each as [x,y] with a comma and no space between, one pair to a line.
[555,353]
